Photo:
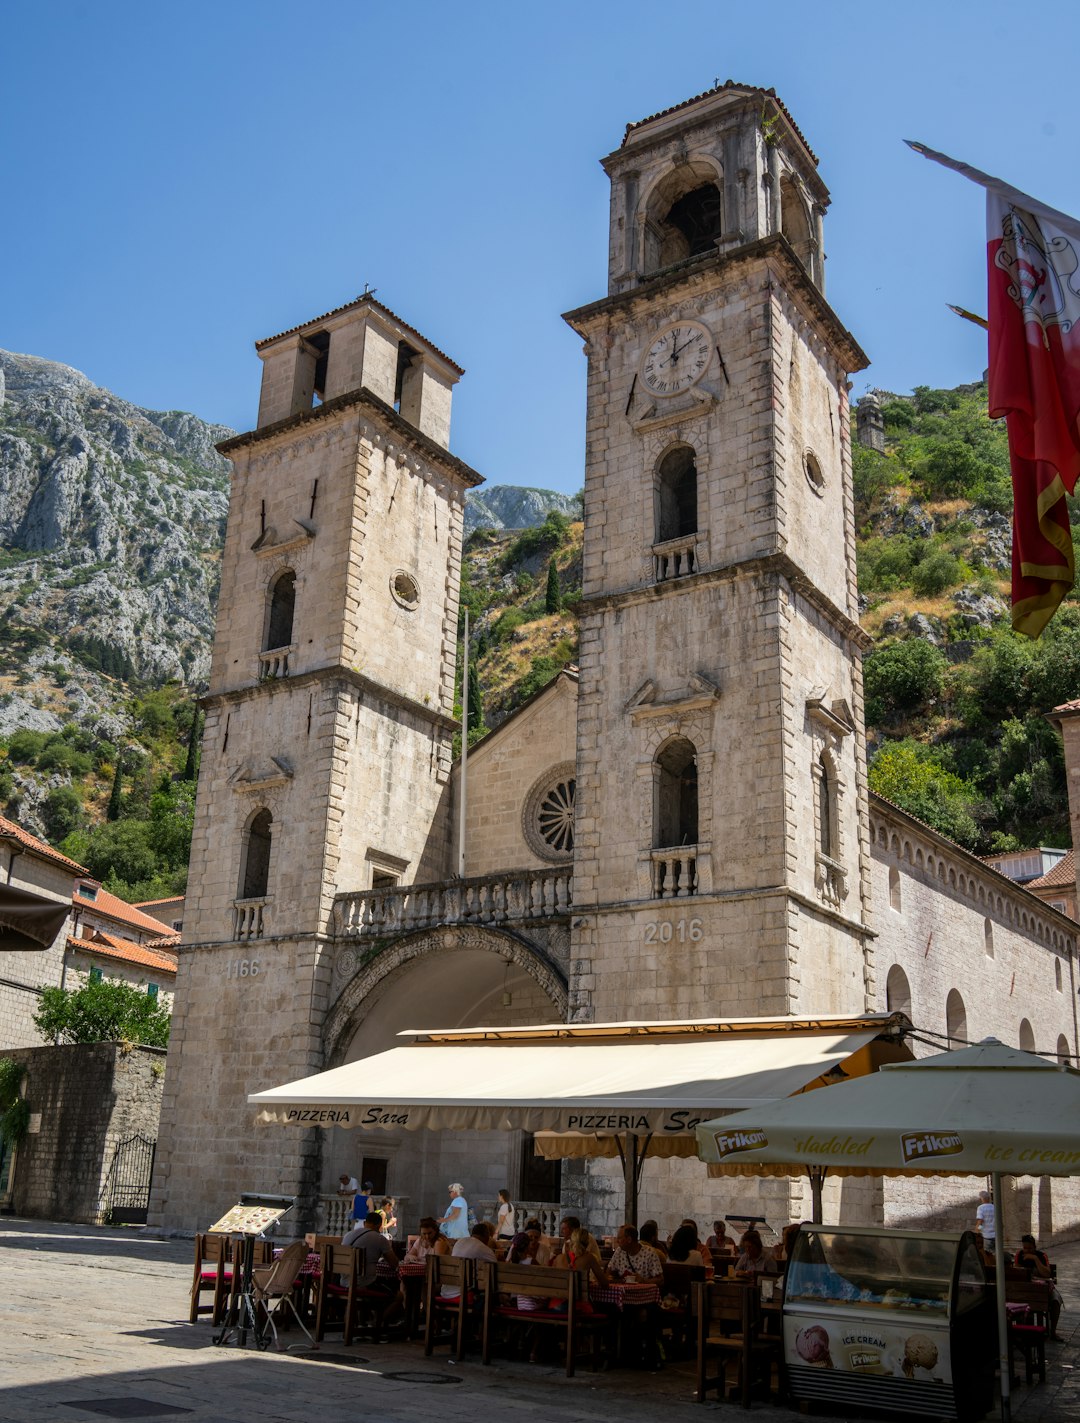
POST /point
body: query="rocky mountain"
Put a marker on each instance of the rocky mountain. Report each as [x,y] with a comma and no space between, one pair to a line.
[111,524]
[507,506]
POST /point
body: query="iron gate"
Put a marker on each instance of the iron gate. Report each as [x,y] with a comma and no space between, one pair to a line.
[126,1194]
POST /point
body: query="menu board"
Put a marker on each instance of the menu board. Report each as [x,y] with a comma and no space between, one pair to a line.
[248,1220]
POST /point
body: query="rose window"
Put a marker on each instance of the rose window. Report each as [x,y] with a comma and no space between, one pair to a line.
[548,819]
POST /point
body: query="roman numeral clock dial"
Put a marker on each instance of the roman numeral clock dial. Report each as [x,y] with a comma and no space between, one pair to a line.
[677,359]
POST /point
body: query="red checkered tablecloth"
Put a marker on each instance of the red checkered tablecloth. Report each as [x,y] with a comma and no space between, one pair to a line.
[621,1295]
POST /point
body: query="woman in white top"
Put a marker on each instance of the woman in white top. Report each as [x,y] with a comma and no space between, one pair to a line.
[504,1227]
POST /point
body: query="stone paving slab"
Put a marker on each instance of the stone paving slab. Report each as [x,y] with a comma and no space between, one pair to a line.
[98,1315]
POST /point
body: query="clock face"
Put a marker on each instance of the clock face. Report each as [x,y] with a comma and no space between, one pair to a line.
[677,359]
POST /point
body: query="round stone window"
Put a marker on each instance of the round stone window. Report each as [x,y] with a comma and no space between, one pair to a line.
[812,470]
[548,817]
[405,589]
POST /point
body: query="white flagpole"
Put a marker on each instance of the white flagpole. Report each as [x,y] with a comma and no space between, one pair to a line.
[462,780]
[1011,195]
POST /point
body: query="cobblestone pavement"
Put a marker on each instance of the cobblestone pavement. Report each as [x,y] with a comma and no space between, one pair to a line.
[95,1326]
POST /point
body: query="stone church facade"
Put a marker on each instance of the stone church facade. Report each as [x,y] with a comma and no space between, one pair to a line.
[678,828]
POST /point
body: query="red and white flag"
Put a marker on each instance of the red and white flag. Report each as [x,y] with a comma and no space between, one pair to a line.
[1033,256]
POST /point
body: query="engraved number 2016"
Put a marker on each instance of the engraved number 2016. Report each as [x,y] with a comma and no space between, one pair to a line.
[683,930]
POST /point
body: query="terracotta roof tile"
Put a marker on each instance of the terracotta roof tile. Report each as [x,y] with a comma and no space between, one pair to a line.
[170,899]
[1063,873]
[718,89]
[115,908]
[109,946]
[38,847]
[1067,708]
[351,305]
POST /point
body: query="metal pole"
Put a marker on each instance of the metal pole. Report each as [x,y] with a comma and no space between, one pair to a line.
[630,1177]
[462,778]
[817,1181]
[1004,1353]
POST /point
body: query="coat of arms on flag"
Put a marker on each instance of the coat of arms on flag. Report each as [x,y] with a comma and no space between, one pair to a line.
[1033,253]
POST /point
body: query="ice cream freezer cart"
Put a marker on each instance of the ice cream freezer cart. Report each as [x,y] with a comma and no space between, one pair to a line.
[898,1320]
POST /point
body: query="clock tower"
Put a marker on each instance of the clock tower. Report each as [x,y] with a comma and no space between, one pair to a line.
[721,858]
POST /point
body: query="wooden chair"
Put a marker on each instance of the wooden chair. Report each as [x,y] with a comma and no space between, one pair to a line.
[340,1297]
[455,1273]
[678,1281]
[539,1282]
[214,1275]
[729,1326]
[1029,1335]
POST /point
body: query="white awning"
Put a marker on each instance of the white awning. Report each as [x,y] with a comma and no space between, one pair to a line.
[579,1080]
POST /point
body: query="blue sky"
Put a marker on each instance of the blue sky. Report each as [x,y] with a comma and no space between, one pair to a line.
[180,180]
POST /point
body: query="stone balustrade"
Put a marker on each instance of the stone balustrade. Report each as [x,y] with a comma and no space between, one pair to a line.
[275,662]
[487,899]
[675,558]
[251,918]
[674,872]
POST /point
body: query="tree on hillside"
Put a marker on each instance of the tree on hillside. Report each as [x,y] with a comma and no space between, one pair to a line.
[102,1012]
[113,810]
[553,596]
[909,775]
[476,701]
[191,764]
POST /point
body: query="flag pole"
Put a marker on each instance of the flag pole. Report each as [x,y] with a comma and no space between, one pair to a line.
[464,745]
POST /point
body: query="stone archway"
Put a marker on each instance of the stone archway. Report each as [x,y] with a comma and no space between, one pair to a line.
[449,977]
[364,981]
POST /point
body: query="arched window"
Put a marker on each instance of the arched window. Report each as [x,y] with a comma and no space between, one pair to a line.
[676,495]
[675,819]
[1027,1036]
[1063,1049]
[894,888]
[897,991]
[827,826]
[956,1019]
[255,870]
[988,938]
[795,223]
[1057,974]
[683,216]
[279,623]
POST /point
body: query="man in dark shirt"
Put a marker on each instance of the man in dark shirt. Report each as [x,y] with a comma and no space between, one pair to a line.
[374,1246]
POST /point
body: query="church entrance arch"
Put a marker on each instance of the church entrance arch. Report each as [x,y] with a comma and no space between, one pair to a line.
[441,978]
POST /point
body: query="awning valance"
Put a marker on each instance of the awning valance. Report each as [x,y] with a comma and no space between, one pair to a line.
[580,1081]
[29,921]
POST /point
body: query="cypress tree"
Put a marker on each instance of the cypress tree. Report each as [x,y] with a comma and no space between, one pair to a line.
[191,765]
[113,811]
[476,705]
[553,598]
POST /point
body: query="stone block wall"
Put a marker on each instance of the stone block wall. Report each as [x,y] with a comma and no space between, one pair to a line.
[502,773]
[84,1100]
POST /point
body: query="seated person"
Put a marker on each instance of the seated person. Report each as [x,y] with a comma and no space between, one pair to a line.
[528,1248]
[720,1239]
[373,1246]
[1037,1265]
[581,1252]
[649,1234]
[632,1257]
[475,1246]
[683,1249]
[782,1251]
[428,1242]
[753,1260]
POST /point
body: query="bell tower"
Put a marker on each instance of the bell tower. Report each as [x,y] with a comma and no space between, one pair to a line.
[327,745]
[721,857]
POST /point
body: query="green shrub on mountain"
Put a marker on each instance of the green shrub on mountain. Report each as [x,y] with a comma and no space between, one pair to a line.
[902,678]
[62,813]
[937,571]
[912,777]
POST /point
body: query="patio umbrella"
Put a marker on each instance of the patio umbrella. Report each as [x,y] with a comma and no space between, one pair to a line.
[978,1111]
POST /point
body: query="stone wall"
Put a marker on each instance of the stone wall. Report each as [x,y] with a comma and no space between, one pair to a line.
[84,1100]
